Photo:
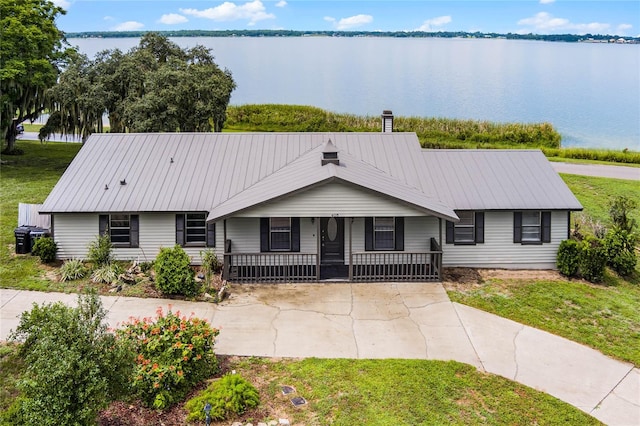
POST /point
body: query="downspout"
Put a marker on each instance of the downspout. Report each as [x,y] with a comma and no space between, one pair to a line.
[350,249]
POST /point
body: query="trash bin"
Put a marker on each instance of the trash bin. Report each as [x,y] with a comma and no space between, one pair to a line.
[38,233]
[23,239]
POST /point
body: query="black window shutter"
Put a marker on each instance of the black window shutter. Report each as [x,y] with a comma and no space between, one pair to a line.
[517,227]
[449,233]
[368,233]
[211,234]
[264,234]
[180,229]
[546,227]
[479,227]
[295,234]
[399,234]
[103,224]
[134,230]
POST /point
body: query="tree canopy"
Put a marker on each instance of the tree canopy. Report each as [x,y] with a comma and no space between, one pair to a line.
[31,51]
[155,87]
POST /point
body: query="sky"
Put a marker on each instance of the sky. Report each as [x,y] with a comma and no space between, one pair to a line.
[503,16]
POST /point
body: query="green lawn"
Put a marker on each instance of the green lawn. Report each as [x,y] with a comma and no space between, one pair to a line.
[380,392]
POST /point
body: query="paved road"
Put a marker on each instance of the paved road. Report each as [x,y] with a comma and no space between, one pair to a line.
[409,320]
[598,170]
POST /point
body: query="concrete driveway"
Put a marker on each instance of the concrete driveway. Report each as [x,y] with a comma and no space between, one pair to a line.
[408,320]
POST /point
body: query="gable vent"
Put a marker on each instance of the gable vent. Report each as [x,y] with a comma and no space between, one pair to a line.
[330,154]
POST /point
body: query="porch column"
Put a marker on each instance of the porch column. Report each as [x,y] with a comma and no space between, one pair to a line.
[350,249]
[318,251]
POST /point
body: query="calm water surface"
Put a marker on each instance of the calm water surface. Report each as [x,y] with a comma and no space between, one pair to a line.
[589,92]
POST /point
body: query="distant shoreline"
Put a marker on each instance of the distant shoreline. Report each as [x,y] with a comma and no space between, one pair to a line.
[567,38]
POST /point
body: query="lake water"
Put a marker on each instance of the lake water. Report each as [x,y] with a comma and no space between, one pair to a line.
[589,92]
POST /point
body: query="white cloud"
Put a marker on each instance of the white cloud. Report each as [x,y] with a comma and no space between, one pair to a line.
[108,18]
[623,28]
[544,22]
[172,19]
[547,1]
[281,3]
[65,4]
[253,11]
[434,24]
[128,26]
[350,22]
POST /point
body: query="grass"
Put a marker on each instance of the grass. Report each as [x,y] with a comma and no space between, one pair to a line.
[604,317]
[27,178]
[596,193]
[402,392]
[380,392]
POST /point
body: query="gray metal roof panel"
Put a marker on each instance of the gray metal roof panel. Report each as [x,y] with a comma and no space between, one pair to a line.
[210,168]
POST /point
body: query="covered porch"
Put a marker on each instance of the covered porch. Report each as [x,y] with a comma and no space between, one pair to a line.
[357,249]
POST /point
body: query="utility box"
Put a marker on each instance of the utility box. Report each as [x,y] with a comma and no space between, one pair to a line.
[23,239]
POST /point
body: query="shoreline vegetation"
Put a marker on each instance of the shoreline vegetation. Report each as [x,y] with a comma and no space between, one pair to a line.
[569,38]
[437,133]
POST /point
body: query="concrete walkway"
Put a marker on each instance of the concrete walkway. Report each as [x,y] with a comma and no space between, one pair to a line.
[388,321]
[598,170]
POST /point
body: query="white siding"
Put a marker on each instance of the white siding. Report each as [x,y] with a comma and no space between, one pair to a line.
[74,231]
[332,199]
[499,250]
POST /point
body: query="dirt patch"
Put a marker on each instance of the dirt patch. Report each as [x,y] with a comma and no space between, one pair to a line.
[465,279]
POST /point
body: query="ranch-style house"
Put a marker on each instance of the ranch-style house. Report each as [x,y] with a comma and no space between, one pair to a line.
[289,207]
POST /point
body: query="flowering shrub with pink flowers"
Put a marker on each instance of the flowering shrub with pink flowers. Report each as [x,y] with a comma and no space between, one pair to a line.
[173,354]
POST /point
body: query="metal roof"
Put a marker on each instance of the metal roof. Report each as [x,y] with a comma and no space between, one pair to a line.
[220,172]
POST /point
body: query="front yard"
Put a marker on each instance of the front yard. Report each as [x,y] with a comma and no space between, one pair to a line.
[605,317]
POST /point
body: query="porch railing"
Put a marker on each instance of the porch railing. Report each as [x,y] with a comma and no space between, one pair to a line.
[397,265]
[270,267]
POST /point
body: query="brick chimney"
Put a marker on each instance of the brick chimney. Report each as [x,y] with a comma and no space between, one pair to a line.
[387,121]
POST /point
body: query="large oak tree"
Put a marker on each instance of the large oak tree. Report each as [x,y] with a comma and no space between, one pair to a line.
[155,87]
[31,51]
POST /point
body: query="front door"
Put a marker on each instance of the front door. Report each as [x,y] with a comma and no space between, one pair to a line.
[332,240]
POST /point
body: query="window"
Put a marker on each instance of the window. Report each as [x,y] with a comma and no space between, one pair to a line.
[280,234]
[193,230]
[121,228]
[384,233]
[469,230]
[531,227]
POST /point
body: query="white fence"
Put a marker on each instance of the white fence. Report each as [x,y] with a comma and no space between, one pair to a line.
[28,216]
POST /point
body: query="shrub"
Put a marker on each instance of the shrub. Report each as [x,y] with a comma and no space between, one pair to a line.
[210,264]
[620,212]
[45,248]
[568,258]
[231,395]
[106,274]
[173,272]
[100,250]
[593,259]
[145,267]
[72,269]
[619,245]
[74,366]
[173,354]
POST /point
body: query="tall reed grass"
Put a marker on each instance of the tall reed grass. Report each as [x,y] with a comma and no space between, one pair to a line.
[432,132]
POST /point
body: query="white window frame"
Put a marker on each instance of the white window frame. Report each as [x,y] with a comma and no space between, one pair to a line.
[279,230]
[191,238]
[114,218]
[531,227]
[376,231]
[460,225]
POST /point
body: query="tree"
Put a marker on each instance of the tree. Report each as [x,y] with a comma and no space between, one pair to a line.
[155,87]
[75,367]
[31,52]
